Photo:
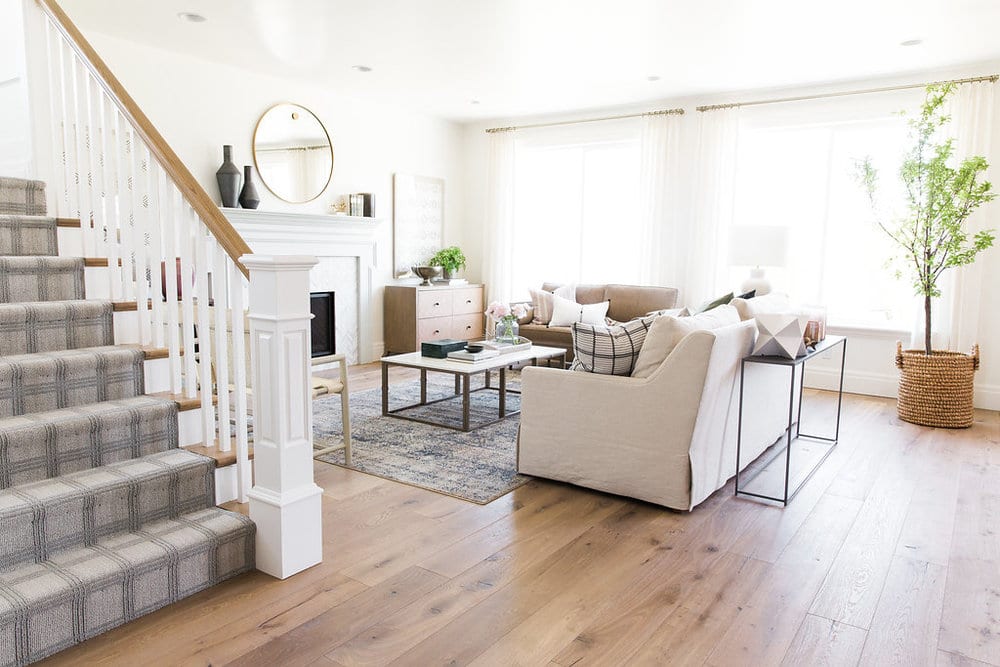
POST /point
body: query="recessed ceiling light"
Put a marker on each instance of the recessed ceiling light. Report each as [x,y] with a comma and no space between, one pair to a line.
[191,17]
[652,78]
[911,42]
[361,68]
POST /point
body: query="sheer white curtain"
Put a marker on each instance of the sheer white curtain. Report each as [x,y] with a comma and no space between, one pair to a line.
[712,206]
[498,234]
[659,219]
[965,293]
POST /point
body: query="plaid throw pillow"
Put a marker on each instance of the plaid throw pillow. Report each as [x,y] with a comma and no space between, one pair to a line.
[608,350]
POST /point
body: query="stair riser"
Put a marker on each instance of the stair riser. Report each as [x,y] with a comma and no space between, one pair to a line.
[54,326]
[97,279]
[39,383]
[70,241]
[60,515]
[28,236]
[40,279]
[43,447]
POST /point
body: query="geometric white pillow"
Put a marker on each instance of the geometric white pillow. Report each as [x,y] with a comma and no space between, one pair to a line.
[780,335]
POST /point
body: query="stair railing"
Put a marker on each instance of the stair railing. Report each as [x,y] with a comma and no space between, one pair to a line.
[169,247]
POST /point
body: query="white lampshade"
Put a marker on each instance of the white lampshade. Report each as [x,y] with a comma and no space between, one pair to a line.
[758,245]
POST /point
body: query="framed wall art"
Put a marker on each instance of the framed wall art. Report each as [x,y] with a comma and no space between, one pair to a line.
[417,220]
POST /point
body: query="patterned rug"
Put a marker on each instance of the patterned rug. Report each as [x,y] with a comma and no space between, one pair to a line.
[478,466]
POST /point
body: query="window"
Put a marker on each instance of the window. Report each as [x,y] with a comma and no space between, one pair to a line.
[576,208]
[796,169]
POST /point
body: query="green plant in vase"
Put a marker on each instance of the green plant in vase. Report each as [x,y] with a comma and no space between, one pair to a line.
[940,195]
[451,259]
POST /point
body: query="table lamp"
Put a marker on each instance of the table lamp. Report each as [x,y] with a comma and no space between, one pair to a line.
[758,246]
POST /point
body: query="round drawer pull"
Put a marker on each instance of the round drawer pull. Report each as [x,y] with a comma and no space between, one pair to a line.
[468,300]
[436,303]
[437,331]
[468,326]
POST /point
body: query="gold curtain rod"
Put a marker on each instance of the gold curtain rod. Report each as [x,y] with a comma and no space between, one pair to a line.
[712,107]
[661,112]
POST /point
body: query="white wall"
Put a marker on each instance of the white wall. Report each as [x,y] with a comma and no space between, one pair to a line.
[871,353]
[199,105]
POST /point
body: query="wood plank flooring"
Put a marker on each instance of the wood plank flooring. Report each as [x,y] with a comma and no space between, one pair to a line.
[889,556]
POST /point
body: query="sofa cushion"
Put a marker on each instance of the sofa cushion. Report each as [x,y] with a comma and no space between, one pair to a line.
[666,332]
[541,301]
[608,350]
[768,304]
[630,301]
[566,311]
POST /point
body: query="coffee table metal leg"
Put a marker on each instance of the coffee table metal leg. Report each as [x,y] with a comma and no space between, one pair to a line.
[385,388]
[458,384]
[503,391]
[423,386]
[488,379]
[465,402]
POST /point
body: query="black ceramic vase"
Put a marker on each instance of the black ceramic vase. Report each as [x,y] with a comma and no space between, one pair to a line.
[228,177]
[249,197]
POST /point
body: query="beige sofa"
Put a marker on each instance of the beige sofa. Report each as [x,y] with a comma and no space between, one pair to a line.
[669,438]
[627,302]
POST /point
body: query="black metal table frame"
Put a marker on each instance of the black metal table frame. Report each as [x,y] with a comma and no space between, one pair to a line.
[462,389]
[792,364]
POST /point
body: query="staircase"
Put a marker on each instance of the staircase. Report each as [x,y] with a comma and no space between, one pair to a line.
[103,518]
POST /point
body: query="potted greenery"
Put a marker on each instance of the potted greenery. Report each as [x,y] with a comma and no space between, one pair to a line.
[451,259]
[935,387]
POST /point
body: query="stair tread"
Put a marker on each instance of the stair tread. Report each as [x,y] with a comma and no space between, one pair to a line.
[19,196]
[83,506]
[183,402]
[221,458]
[40,278]
[121,577]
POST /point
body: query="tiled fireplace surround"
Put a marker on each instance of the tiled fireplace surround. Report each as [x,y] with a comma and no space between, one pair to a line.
[347,254]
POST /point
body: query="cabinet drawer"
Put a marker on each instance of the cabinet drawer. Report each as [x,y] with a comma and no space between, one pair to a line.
[467,327]
[468,300]
[434,303]
[434,328]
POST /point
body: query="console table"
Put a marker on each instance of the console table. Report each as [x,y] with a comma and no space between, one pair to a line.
[794,420]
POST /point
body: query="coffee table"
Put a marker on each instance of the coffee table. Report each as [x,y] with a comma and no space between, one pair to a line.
[463,372]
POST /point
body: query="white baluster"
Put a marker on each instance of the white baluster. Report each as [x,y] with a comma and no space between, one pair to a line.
[109,181]
[201,265]
[80,161]
[59,175]
[185,250]
[241,378]
[72,177]
[156,264]
[129,211]
[142,243]
[220,294]
[91,143]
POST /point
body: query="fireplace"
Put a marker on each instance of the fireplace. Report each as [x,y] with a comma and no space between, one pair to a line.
[324,337]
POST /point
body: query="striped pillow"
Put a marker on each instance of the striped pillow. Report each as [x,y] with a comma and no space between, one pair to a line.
[608,350]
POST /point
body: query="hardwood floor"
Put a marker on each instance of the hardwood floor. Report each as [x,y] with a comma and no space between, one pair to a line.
[889,555]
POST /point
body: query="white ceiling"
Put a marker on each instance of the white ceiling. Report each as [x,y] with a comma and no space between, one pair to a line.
[523,57]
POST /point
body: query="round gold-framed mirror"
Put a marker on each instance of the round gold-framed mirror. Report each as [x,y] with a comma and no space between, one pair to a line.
[293,153]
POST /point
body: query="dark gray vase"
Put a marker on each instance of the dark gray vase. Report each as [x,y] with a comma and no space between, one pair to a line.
[228,177]
[249,197]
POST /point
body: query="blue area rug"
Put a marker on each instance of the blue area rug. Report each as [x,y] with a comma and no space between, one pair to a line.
[478,466]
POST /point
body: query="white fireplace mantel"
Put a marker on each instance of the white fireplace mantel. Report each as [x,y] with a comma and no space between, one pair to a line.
[324,236]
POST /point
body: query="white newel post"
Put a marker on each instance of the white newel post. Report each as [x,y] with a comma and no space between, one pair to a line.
[285,502]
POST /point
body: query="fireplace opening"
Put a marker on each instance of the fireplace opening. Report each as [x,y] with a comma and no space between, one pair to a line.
[324,339]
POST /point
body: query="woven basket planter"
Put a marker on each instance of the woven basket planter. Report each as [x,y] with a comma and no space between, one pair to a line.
[936,390]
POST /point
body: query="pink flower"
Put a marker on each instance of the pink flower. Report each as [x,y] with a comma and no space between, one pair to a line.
[498,310]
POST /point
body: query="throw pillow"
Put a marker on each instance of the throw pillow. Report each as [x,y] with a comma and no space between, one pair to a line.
[541,301]
[673,312]
[666,332]
[769,304]
[608,350]
[566,311]
[715,303]
[529,314]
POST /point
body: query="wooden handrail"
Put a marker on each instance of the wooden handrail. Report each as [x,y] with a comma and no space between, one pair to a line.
[195,195]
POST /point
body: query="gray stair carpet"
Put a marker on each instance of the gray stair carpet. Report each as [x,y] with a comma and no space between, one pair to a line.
[40,279]
[76,594]
[102,517]
[51,380]
[48,326]
[27,235]
[21,197]
[43,445]
[78,509]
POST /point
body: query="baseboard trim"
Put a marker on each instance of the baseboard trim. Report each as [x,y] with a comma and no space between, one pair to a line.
[987,396]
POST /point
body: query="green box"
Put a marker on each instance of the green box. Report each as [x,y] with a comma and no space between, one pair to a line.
[439,349]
